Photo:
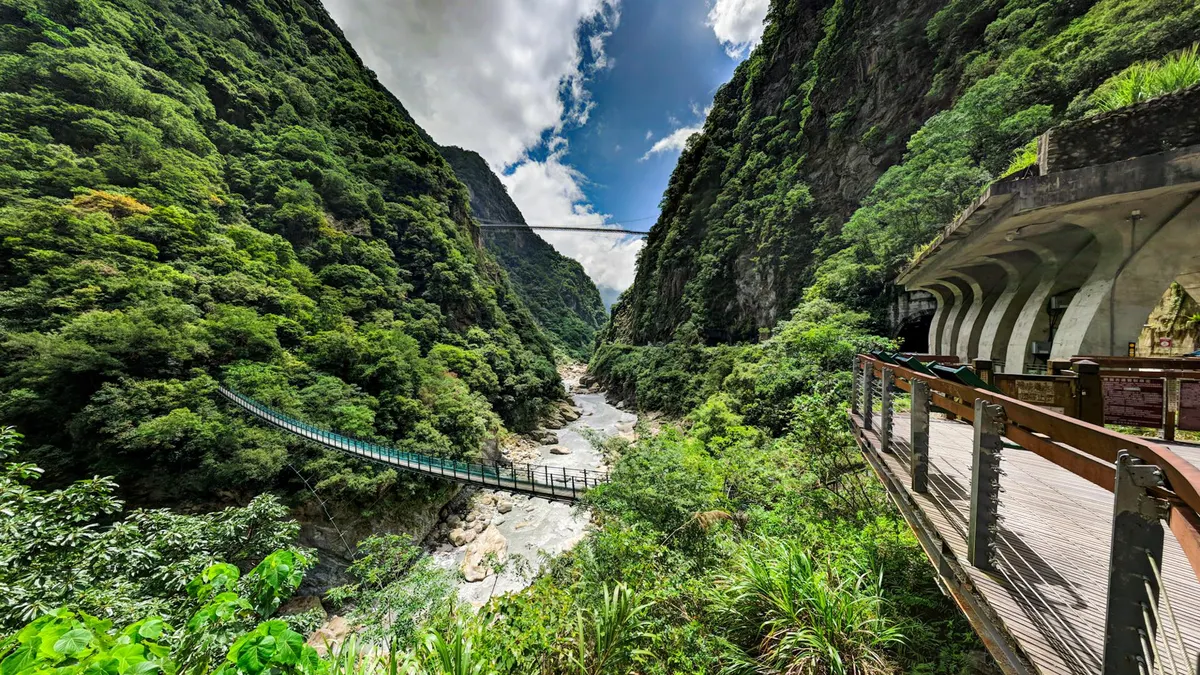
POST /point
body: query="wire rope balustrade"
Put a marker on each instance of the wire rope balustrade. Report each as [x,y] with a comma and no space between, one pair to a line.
[1070,547]
[555,483]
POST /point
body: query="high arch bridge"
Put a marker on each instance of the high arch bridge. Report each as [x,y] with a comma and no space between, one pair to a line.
[548,482]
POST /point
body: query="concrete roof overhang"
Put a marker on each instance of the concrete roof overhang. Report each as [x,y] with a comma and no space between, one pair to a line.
[1048,211]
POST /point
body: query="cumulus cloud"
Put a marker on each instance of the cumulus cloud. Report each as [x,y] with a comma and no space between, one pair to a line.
[738,24]
[671,143]
[550,193]
[503,78]
[490,76]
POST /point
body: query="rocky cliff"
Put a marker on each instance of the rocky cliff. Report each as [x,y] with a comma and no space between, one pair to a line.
[563,299]
[852,132]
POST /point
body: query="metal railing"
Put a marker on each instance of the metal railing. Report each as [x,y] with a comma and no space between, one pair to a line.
[549,482]
[1150,483]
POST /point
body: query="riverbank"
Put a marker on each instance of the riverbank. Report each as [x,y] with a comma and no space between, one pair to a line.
[497,542]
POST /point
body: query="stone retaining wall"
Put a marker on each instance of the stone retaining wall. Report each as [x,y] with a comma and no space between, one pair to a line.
[1157,125]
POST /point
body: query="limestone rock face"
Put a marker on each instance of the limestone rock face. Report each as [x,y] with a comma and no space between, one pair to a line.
[327,638]
[476,564]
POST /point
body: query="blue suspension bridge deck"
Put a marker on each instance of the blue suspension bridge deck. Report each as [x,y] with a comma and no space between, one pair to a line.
[547,482]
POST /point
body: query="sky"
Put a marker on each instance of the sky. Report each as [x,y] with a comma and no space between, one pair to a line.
[580,106]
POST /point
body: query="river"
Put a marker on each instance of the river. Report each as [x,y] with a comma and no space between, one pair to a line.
[533,528]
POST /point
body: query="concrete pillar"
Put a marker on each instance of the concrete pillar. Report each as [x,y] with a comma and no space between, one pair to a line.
[1044,276]
[945,301]
[986,283]
[962,295]
[1019,282]
[1133,271]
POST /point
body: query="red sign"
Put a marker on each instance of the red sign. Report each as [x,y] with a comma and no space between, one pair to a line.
[1189,405]
[1133,401]
[1165,343]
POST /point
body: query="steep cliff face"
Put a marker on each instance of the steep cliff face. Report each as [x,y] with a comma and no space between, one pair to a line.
[855,130]
[563,299]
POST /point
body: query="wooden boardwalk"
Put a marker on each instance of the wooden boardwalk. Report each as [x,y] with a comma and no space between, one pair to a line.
[1048,597]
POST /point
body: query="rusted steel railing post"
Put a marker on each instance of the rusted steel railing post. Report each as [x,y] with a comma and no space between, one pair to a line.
[1091,395]
[886,391]
[919,437]
[985,485]
[854,387]
[868,395]
[983,368]
[1137,548]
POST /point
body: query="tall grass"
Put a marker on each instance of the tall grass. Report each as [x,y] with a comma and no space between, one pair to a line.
[793,614]
[1147,80]
[607,640]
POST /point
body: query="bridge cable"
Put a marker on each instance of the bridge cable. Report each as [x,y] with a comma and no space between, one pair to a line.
[349,551]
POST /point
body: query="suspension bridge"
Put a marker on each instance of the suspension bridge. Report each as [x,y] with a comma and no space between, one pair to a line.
[548,482]
[560,228]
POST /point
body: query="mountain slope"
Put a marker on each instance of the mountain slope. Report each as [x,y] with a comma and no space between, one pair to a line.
[562,297]
[193,192]
[854,131]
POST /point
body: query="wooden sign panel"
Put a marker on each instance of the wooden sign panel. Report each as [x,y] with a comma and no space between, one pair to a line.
[1189,405]
[1046,391]
[1133,401]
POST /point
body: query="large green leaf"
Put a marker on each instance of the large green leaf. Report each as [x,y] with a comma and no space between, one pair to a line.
[20,660]
[255,655]
[73,641]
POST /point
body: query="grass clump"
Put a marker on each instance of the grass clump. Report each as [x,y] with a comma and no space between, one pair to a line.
[1147,80]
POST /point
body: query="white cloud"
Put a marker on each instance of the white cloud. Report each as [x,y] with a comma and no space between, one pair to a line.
[738,24]
[549,193]
[494,76]
[482,75]
[649,134]
[673,142]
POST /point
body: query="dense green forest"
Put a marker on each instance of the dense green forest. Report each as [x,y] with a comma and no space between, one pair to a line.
[194,193]
[561,296]
[203,192]
[852,134]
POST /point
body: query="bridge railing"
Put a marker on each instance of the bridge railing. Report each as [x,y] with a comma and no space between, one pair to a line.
[544,481]
[1151,484]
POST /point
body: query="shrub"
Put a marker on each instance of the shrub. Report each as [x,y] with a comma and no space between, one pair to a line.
[794,614]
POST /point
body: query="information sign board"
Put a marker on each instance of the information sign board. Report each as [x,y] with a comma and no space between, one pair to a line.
[1133,401]
[1189,405]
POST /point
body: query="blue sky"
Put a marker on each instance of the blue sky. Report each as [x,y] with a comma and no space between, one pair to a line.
[581,106]
[665,66]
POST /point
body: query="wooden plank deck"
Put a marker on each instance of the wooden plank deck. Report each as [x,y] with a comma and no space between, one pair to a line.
[1049,594]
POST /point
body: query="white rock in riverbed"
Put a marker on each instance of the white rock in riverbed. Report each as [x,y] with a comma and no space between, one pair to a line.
[560,450]
[475,565]
[504,506]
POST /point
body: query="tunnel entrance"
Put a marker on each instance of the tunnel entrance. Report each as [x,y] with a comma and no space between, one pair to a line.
[913,333]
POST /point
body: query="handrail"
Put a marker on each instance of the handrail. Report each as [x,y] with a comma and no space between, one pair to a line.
[1087,450]
[539,480]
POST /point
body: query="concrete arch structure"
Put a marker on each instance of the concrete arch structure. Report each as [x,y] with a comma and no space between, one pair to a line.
[987,283]
[1021,278]
[1105,241]
[945,299]
[961,291]
[1133,271]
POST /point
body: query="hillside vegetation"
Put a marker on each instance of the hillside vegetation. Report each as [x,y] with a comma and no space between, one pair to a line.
[851,134]
[561,296]
[204,192]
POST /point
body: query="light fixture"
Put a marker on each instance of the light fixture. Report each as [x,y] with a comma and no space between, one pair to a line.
[1012,234]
